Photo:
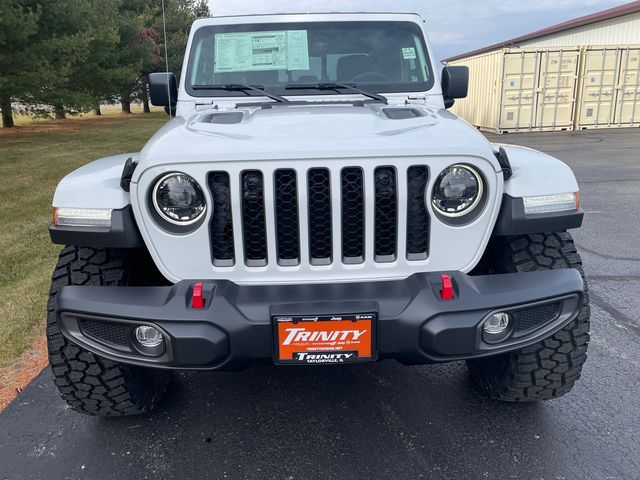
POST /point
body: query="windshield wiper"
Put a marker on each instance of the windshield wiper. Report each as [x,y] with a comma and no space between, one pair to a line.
[241,87]
[336,86]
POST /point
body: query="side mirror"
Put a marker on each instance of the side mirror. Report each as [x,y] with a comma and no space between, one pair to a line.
[455,84]
[163,90]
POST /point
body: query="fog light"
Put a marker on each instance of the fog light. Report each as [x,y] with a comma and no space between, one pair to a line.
[149,337]
[497,323]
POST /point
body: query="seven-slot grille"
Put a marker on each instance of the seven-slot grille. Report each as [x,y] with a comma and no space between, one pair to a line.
[314,223]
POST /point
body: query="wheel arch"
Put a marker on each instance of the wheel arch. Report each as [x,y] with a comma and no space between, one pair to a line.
[534,173]
[97,185]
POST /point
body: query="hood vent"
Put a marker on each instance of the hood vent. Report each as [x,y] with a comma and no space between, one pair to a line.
[402,113]
[223,118]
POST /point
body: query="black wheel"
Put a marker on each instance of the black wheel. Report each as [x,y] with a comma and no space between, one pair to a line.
[90,384]
[550,368]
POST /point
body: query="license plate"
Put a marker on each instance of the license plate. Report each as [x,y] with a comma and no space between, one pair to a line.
[324,339]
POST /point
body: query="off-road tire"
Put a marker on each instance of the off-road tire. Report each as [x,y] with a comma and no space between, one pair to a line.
[88,383]
[550,368]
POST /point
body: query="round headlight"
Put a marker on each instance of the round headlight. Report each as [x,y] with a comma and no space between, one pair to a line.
[178,199]
[457,191]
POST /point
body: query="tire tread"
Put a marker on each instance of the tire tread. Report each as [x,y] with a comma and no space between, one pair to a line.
[550,368]
[88,383]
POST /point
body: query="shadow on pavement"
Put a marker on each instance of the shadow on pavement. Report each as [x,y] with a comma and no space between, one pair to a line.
[363,421]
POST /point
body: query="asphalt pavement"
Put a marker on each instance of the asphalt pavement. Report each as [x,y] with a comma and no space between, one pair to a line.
[385,420]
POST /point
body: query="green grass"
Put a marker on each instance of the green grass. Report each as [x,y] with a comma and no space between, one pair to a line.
[107,110]
[33,159]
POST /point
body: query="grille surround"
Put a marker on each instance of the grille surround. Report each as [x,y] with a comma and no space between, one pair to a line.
[188,257]
[359,237]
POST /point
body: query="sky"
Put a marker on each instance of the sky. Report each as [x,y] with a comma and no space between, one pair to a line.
[454,26]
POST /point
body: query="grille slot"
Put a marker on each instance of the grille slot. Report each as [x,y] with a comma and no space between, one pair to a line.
[253,218]
[287,218]
[221,229]
[352,215]
[417,214]
[109,332]
[386,214]
[320,222]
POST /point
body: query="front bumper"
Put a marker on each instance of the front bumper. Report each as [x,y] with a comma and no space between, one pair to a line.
[414,325]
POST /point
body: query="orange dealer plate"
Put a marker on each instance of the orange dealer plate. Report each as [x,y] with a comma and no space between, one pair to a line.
[324,339]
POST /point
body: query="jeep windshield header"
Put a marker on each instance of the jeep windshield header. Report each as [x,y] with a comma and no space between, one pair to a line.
[379,56]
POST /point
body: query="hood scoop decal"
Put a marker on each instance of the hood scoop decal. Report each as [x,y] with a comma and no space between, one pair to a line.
[223,118]
[402,113]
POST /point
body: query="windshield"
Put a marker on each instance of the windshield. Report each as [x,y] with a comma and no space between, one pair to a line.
[374,56]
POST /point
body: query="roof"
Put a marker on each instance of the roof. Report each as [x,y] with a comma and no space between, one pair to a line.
[626,9]
[341,12]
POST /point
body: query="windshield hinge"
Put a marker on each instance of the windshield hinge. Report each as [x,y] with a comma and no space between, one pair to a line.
[416,99]
[204,103]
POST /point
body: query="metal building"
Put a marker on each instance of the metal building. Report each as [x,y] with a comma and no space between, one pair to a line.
[584,73]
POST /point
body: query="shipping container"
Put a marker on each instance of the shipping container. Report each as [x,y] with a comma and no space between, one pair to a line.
[610,88]
[517,89]
[482,105]
[513,90]
[628,99]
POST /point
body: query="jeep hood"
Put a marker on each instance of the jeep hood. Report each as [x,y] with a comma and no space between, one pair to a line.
[313,132]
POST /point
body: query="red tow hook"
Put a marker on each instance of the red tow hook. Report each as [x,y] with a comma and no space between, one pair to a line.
[197,299]
[447,287]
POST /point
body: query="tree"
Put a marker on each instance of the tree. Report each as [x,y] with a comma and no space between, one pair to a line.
[180,15]
[18,58]
[148,35]
[67,30]
[137,49]
[69,55]
[42,48]
[93,77]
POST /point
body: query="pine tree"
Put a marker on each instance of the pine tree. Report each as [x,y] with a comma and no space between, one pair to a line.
[65,56]
[19,60]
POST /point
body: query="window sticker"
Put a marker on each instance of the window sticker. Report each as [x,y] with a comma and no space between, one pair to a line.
[409,53]
[261,51]
[297,50]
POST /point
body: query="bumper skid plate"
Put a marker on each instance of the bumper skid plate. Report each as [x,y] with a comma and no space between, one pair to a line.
[411,321]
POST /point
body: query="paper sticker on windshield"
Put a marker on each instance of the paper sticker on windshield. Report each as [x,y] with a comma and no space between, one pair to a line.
[261,51]
[409,53]
[297,50]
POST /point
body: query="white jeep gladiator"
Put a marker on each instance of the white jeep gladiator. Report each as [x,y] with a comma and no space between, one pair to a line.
[312,201]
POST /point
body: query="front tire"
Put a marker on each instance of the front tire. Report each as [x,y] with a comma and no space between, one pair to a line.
[88,383]
[550,368]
